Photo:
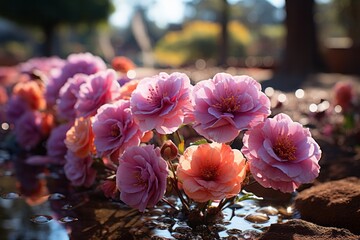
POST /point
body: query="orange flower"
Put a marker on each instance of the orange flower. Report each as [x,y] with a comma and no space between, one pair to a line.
[127,89]
[47,123]
[32,92]
[211,171]
[148,135]
[3,95]
[122,64]
[80,138]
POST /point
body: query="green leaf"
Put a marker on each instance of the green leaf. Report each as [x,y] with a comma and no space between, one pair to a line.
[198,142]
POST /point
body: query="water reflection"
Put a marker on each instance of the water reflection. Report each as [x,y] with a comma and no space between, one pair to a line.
[24,209]
[38,204]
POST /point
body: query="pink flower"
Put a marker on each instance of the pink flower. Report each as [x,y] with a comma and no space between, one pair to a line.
[211,171]
[68,96]
[225,105]
[115,129]
[75,63]
[8,75]
[281,153]
[141,176]
[109,189]
[79,170]
[159,102]
[98,89]
[55,145]
[41,65]
[28,129]
[15,108]
[344,95]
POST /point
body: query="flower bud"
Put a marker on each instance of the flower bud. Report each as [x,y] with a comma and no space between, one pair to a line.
[169,150]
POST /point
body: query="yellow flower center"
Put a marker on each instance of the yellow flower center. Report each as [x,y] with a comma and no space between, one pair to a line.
[284,148]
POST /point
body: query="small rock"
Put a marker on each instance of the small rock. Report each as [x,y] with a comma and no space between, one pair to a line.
[333,204]
[302,230]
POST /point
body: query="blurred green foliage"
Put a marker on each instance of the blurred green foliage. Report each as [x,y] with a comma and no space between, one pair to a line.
[49,15]
[53,12]
[199,40]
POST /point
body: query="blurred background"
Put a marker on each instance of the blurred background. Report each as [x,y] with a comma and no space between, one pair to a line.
[295,37]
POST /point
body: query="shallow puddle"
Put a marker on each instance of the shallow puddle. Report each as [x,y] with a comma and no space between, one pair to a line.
[46,207]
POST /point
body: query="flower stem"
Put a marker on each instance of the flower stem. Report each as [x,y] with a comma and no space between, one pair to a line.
[225,203]
[170,204]
[174,182]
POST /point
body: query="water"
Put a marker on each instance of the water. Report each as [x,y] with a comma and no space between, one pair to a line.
[41,219]
[10,195]
[46,207]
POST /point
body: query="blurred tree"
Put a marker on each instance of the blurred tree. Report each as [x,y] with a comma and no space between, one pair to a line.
[224,19]
[349,17]
[301,54]
[255,14]
[207,10]
[199,40]
[214,11]
[48,15]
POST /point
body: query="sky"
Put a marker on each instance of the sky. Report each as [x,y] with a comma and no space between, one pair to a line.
[163,12]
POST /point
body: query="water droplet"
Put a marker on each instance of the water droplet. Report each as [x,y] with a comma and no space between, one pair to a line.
[226,222]
[156,212]
[177,235]
[217,228]
[41,219]
[56,196]
[286,212]
[250,234]
[256,226]
[10,195]
[68,219]
[233,231]
[183,230]
[237,205]
[269,210]
[167,220]
[257,217]
[67,207]
[162,226]
[241,215]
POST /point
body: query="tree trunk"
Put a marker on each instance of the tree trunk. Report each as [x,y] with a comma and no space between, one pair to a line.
[224,19]
[49,31]
[301,54]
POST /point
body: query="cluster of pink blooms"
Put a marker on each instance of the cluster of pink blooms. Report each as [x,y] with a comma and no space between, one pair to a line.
[86,115]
